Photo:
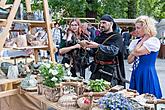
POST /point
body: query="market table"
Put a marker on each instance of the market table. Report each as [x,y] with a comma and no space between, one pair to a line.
[8,84]
[19,99]
[13,100]
[45,102]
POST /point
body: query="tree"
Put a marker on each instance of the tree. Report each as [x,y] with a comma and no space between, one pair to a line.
[151,8]
[91,9]
[96,8]
[69,8]
[116,8]
[132,8]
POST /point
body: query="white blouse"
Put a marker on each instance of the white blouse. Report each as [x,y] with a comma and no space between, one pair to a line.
[133,44]
[151,44]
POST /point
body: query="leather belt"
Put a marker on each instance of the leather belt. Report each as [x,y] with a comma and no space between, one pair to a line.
[105,62]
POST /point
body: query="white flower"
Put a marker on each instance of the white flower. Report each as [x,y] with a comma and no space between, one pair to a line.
[47,65]
[54,79]
[50,70]
[53,72]
[66,65]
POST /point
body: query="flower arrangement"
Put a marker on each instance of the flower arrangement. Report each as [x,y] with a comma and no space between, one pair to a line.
[52,74]
[115,101]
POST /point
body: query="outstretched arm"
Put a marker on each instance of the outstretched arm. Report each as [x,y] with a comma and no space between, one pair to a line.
[67,49]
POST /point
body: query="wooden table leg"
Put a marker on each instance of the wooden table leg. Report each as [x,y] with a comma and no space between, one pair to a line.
[8,86]
[36,55]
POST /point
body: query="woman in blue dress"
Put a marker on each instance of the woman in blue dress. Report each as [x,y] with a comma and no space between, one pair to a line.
[144,77]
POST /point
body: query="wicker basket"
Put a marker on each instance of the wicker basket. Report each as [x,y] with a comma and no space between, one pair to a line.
[68,100]
[32,89]
[73,87]
[69,93]
[52,94]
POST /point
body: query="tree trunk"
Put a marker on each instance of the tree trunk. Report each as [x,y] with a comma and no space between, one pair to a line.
[91,13]
[132,9]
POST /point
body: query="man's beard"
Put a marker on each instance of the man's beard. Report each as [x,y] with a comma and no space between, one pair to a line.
[104,30]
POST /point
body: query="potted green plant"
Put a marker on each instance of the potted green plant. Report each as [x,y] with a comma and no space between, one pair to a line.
[52,75]
[98,85]
[94,89]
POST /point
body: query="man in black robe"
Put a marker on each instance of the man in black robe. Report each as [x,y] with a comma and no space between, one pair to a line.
[108,53]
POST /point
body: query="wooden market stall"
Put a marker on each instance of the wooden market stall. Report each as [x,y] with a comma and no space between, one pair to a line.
[6,24]
[13,97]
[10,97]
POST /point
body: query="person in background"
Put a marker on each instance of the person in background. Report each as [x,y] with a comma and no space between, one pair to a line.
[126,40]
[71,50]
[85,30]
[107,52]
[92,31]
[144,77]
[57,34]
[57,37]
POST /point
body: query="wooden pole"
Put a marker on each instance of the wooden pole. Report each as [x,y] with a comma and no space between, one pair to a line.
[28,6]
[9,22]
[48,22]
[2,3]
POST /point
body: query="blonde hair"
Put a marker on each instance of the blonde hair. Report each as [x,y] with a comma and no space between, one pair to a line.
[149,25]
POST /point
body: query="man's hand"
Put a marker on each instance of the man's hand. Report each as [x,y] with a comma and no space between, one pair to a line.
[84,43]
[88,44]
[92,44]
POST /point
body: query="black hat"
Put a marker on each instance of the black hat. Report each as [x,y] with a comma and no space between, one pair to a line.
[107,18]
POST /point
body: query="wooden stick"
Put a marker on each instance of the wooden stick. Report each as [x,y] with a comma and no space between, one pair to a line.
[9,22]
[48,22]
[2,3]
[8,93]
[28,6]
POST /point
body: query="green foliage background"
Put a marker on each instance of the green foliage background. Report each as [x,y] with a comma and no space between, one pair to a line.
[116,8]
